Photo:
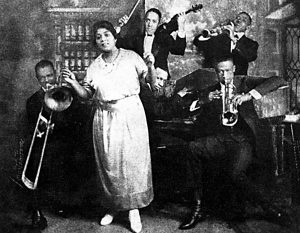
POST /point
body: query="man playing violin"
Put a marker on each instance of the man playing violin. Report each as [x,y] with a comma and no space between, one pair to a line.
[157,45]
[153,42]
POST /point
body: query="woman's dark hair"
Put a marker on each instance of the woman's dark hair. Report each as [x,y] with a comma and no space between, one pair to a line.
[155,11]
[103,24]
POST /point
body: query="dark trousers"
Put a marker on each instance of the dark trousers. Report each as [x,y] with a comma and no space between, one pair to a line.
[53,182]
[223,160]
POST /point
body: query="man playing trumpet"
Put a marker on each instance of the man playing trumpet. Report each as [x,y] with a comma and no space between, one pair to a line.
[230,150]
[229,38]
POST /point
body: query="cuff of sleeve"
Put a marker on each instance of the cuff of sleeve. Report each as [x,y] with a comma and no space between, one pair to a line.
[118,29]
[255,94]
[148,84]
[181,34]
[194,106]
[180,94]
[232,46]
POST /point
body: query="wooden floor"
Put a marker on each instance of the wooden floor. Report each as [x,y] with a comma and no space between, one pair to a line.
[165,220]
[162,218]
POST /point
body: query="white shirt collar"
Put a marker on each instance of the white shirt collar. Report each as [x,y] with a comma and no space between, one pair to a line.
[148,35]
[148,41]
[239,34]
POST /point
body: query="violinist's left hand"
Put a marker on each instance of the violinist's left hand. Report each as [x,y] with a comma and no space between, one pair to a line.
[181,22]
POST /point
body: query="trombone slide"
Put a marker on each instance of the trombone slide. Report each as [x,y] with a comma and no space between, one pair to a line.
[30,174]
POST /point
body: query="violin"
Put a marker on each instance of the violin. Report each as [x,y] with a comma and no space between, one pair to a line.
[172,25]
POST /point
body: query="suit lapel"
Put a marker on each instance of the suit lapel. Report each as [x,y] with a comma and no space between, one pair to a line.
[155,47]
[242,40]
[140,45]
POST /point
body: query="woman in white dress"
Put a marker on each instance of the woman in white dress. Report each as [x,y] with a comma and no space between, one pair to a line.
[120,134]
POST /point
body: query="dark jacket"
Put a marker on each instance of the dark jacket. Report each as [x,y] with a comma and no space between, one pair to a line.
[163,44]
[218,46]
[247,113]
[64,142]
[66,123]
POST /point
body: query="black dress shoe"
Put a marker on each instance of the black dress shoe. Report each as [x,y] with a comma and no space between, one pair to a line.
[195,217]
[61,211]
[38,220]
[278,216]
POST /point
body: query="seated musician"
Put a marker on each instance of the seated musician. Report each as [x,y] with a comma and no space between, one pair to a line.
[165,105]
[162,102]
[62,142]
[168,104]
[233,145]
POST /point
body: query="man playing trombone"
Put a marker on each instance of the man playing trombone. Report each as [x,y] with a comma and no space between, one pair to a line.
[54,121]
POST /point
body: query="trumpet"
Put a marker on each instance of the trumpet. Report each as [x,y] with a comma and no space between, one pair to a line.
[230,111]
[58,97]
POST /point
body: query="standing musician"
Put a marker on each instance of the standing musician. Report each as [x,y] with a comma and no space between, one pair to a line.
[226,39]
[153,42]
[61,143]
[230,146]
[157,45]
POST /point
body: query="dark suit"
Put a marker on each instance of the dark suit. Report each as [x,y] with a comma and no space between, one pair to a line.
[62,144]
[231,149]
[163,45]
[218,46]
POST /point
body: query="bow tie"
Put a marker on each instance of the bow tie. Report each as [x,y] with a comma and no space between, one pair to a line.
[236,36]
[149,35]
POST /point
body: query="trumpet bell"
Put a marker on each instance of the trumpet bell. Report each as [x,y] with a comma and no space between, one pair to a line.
[229,118]
[58,99]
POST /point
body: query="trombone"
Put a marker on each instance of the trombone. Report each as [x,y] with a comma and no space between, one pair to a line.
[57,98]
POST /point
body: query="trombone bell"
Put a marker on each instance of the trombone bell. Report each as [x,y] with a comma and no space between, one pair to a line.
[58,99]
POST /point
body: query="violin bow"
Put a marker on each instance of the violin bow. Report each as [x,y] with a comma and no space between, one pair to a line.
[131,12]
[133,9]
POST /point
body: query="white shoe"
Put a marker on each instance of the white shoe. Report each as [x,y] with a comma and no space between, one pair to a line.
[107,219]
[135,221]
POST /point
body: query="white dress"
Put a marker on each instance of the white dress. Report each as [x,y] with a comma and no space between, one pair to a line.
[120,133]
